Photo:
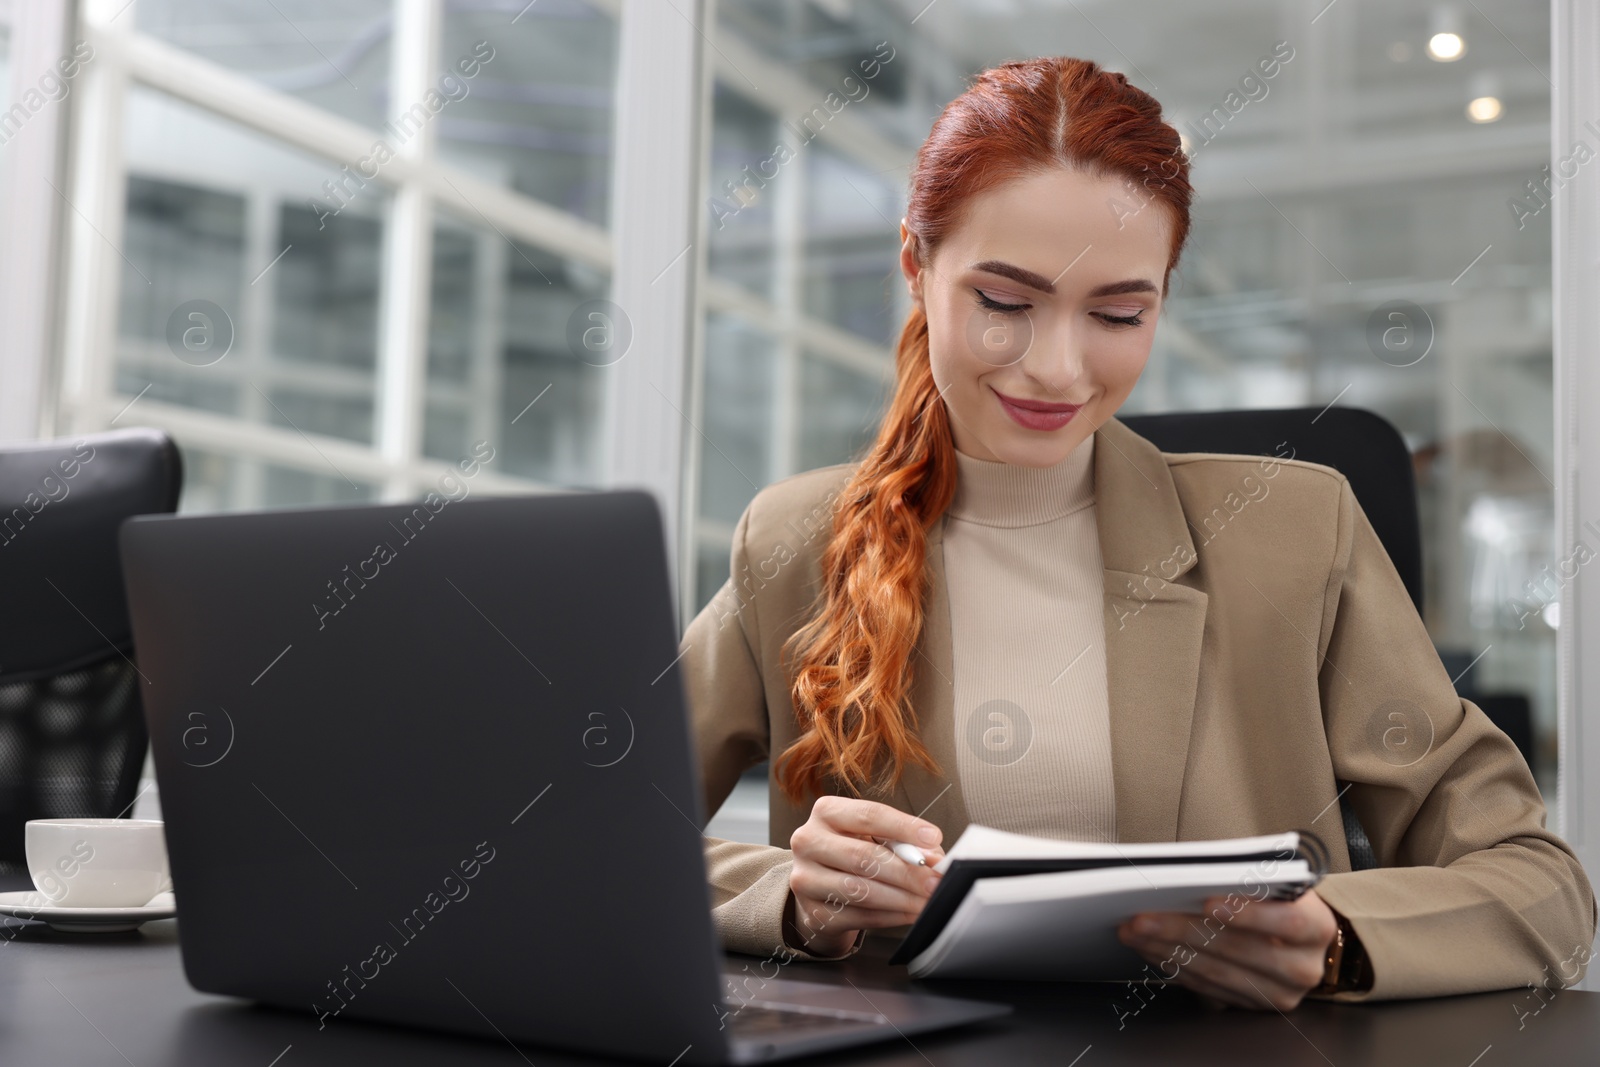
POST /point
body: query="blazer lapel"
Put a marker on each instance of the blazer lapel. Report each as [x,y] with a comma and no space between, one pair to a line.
[1153,630]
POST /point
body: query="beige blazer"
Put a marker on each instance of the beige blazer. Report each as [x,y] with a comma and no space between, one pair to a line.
[1262,654]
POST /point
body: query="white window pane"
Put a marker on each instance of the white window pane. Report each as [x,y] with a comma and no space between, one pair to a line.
[737,417]
[711,570]
[331,53]
[217,481]
[537,116]
[867,53]
[743,166]
[508,327]
[237,295]
[5,93]
[839,412]
[852,245]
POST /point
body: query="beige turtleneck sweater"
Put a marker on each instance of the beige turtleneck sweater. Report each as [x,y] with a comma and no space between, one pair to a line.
[1024,576]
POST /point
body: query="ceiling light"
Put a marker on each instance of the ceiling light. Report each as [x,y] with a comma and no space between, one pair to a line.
[1483,98]
[1445,43]
[1446,47]
[1399,51]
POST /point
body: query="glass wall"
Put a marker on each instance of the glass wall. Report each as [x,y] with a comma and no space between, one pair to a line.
[803,303]
[333,54]
[500,314]
[313,324]
[207,319]
[539,120]
[1369,169]
[5,87]
[267,253]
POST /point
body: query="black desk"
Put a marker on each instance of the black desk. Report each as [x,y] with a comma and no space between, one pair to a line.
[75,1000]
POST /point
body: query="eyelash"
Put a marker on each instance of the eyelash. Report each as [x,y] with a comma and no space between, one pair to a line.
[1119,320]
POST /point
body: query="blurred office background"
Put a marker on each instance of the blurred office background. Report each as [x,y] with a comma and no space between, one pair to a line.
[377,318]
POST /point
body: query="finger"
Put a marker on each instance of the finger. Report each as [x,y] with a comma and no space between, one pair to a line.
[868,818]
[819,931]
[1248,988]
[1207,977]
[879,861]
[886,866]
[1306,921]
[817,882]
[931,854]
[836,914]
[1271,960]
[1294,966]
[854,855]
[817,917]
[1210,976]
[1170,963]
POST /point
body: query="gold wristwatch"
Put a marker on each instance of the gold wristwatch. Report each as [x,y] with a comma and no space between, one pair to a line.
[1346,969]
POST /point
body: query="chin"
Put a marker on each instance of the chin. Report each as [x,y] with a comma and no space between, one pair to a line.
[1027,448]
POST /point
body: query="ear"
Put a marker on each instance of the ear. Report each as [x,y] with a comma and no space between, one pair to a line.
[909,266]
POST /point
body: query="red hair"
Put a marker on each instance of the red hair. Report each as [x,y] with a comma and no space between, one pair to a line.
[852,659]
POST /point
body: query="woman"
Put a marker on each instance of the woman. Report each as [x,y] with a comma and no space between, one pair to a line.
[1014,610]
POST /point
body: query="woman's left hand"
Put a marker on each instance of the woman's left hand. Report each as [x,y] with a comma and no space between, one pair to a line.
[1265,954]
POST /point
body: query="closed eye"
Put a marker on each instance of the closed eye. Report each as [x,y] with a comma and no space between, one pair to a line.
[995,305]
[985,300]
[1121,320]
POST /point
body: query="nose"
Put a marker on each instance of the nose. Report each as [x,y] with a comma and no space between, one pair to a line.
[1057,359]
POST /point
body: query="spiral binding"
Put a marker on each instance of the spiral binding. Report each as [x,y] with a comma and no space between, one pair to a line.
[1311,849]
[1315,853]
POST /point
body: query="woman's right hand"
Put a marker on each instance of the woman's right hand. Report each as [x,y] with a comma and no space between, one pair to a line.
[844,881]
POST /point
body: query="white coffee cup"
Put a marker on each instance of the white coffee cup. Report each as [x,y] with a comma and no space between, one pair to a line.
[97,863]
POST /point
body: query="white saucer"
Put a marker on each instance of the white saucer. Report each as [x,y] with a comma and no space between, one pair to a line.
[27,904]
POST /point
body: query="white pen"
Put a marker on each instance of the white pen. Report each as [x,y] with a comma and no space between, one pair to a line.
[910,853]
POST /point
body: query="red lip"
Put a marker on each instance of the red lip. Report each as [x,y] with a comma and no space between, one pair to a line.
[1037,415]
[1037,405]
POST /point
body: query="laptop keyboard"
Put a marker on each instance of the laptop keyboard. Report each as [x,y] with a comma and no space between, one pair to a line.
[759,1017]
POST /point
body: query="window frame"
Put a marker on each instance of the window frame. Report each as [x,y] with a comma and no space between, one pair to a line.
[1575,225]
[61,284]
[420,185]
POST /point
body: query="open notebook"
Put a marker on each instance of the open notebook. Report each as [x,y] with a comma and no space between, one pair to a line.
[1015,906]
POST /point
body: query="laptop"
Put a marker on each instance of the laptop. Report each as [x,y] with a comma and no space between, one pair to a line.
[431,764]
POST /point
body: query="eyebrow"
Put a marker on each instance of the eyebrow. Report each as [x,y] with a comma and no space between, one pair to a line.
[1045,285]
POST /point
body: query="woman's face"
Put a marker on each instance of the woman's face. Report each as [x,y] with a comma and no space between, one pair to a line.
[1041,309]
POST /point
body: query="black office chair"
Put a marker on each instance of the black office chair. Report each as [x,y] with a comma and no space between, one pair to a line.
[1363,446]
[72,731]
